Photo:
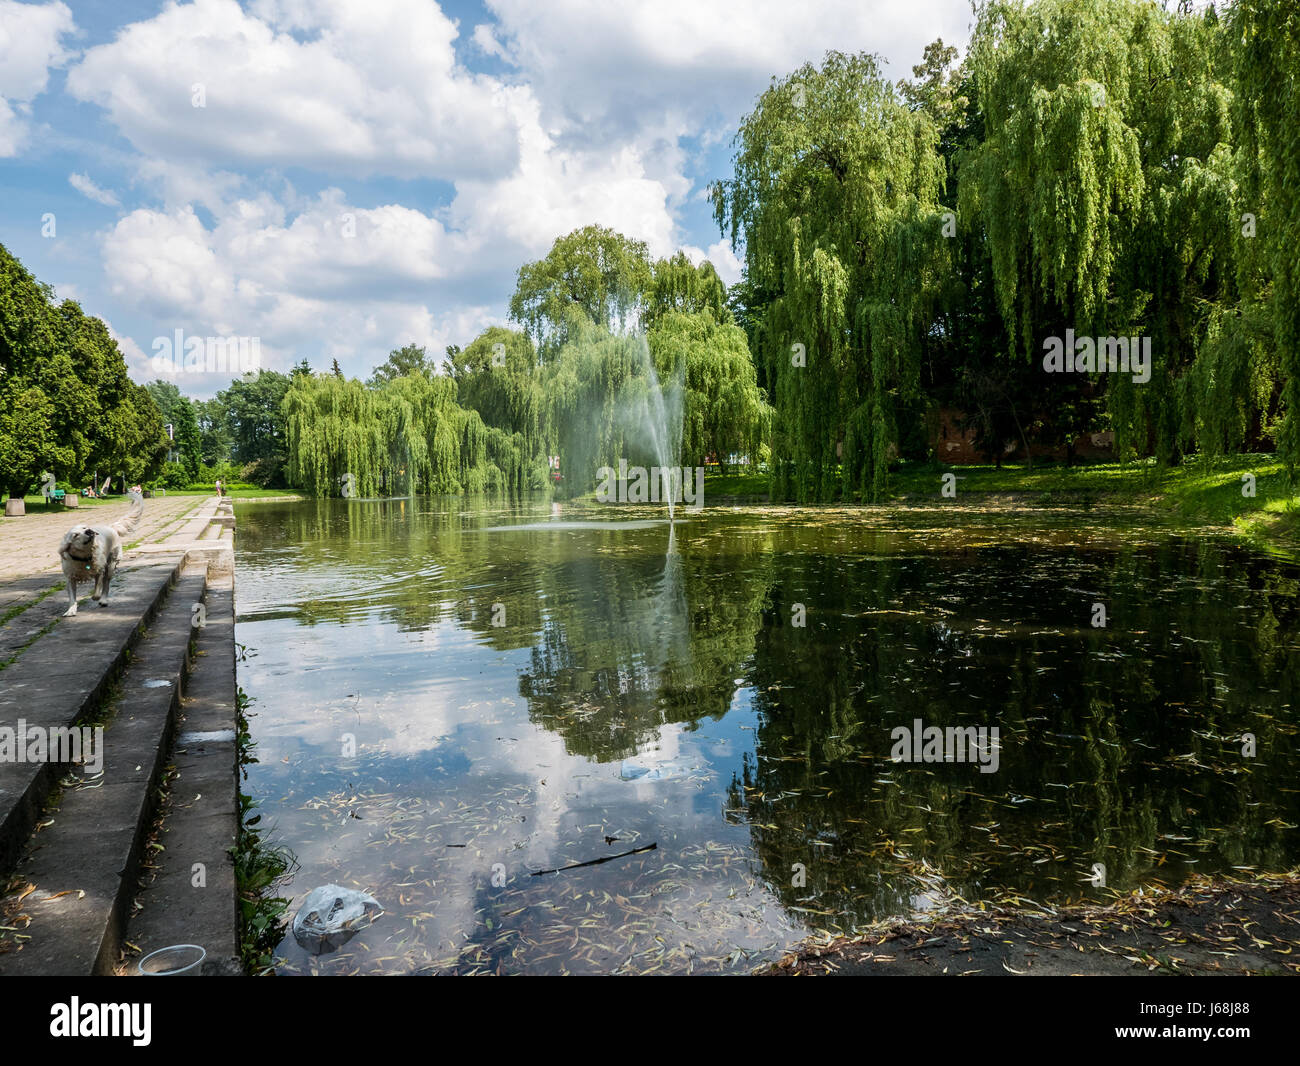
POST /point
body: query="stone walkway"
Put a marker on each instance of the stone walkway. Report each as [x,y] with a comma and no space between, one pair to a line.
[29,545]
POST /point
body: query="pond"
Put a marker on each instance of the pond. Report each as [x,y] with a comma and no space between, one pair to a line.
[452,696]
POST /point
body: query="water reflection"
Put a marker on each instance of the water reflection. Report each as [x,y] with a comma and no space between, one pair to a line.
[527,693]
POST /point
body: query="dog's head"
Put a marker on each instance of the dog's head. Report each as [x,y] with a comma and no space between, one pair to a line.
[80,540]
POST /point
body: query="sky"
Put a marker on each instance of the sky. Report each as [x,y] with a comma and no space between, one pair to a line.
[338,178]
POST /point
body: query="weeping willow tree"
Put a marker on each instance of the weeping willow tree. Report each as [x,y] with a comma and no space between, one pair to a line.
[594,271]
[406,436]
[1265,36]
[595,388]
[619,359]
[498,376]
[679,285]
[1106,191]
[836,200]
[724,410]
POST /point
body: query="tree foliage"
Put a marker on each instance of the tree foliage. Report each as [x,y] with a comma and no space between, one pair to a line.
[836,200]
[67,404]
[1265,37]
[594,272]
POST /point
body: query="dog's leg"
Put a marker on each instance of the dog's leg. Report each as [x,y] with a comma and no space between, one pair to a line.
[70,575]
[105,577]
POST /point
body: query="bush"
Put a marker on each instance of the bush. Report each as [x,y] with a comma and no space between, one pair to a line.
[265,473]
[174,476]
[227,472]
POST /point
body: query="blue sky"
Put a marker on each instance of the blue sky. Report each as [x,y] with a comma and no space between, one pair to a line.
[365,173]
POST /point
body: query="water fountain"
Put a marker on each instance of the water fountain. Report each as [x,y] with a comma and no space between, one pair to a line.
[660,417]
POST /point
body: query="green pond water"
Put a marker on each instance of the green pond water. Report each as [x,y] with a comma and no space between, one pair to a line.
[450,696]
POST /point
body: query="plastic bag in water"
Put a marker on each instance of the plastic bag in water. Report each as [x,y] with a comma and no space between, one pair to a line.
[331,915]
[634,771]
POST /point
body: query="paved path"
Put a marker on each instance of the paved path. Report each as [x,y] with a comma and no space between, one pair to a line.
[29,545]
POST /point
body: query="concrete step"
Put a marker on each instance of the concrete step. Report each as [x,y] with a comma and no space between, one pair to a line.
[59,679]
[14,594]
[189,896]
[84,864]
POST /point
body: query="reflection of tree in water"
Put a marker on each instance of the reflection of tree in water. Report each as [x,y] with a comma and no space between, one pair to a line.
[624,635]
[1119,745]
[653,641]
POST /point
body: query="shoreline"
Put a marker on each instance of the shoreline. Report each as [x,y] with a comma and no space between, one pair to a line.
[1209,926]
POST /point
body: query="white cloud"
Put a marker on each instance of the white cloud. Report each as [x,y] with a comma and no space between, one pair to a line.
[29,47]
[724,260]
[138,363]
[330,281]
[89,189]
[556,190]
[334,86]
[487,42]
[595,127]
[602,68]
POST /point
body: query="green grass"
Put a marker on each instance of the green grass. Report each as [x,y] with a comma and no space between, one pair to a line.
[37,504]
[921,479]
[751,484]
[242,493]
[1202,491]
[1198,491]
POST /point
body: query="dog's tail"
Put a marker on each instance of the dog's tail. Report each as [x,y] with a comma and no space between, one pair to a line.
[128,523]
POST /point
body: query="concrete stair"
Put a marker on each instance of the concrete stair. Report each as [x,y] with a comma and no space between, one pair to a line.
[191,896]
[82,865]
[60,676]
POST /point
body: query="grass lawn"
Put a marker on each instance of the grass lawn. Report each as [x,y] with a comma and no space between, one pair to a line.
[750,484]
[238,494]
[1199,491]
[37,504]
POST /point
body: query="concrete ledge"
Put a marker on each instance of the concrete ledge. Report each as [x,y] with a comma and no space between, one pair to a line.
[61,679]
[85,864]
[191,898]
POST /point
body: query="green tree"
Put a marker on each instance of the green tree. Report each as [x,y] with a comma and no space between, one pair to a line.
[213,431]
[189,442]
[1103,187]
[593,272]
[35,433]
[678,285]
[835,198]
[255,422]
[1266,35]
[402,361]
[68,404]
[166,396]
[724,411]
[497,375]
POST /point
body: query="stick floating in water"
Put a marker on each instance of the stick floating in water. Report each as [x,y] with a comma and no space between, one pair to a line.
[596,862]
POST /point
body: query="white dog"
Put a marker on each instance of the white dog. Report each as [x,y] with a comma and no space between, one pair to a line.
[94,552]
